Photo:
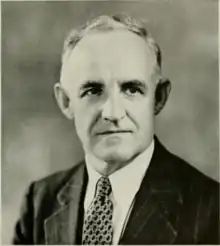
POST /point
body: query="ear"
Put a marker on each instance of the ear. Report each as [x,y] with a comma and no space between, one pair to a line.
[63,101]
[161,94]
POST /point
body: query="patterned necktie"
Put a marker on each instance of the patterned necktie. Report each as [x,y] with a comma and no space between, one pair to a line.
[97,227]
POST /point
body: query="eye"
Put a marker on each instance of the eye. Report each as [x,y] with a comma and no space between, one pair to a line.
[95,91]
[132,89]
[91,90]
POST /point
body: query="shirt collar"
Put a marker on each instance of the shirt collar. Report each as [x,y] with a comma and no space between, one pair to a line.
[126,180]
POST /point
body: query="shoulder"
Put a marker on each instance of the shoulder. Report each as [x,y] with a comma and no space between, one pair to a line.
[50,185]
[184,175]
[189,175]
[39,202]
[199,199]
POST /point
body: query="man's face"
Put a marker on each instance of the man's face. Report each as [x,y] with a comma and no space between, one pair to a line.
[108,79]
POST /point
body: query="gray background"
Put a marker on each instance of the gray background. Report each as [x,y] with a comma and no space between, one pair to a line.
[37,140]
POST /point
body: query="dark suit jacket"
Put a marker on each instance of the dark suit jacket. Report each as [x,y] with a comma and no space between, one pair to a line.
[176,204]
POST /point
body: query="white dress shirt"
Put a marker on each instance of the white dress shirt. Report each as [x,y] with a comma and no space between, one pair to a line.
[125,183]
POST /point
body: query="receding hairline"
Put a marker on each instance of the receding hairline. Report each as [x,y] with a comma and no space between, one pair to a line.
[109,23]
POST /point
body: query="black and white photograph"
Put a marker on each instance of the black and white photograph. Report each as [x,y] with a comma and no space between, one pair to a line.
[110,122]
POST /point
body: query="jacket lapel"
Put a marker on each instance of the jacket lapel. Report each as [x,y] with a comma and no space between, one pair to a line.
[61,226]
[154,217]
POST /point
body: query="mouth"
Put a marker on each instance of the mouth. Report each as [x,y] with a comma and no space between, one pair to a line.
[113,132]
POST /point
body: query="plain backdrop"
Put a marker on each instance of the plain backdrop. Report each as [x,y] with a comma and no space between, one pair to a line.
[37,140]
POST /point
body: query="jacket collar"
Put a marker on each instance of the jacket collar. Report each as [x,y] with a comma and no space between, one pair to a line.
[154,217]
[62,227]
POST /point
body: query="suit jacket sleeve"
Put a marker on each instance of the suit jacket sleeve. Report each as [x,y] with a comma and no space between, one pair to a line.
[23,233]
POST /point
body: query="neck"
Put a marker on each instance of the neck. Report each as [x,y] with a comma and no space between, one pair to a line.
[110,166]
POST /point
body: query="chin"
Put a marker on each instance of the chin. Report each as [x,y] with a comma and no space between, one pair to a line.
[114,155]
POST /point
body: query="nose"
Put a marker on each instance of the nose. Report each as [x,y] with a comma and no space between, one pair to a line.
[113,109]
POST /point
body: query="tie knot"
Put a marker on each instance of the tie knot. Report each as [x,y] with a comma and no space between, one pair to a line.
[103,187]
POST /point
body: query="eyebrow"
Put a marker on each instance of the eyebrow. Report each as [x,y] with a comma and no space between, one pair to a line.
[139,83]
[90,83]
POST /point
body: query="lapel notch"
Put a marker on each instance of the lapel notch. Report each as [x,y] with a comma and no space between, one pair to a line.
[61,226]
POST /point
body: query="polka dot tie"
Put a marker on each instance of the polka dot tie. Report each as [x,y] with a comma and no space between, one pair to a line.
[97,228]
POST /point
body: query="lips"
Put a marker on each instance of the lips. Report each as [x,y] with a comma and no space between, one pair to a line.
[113,132]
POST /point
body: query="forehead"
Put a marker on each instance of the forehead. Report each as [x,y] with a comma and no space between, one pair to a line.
[117,55]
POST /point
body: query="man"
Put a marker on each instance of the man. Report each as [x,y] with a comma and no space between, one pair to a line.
[129,189]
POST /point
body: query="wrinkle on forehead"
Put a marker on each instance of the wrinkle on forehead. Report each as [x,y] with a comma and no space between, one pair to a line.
[116,54]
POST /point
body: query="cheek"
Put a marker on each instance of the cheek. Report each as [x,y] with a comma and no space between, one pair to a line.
[84,116]
[141,112]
